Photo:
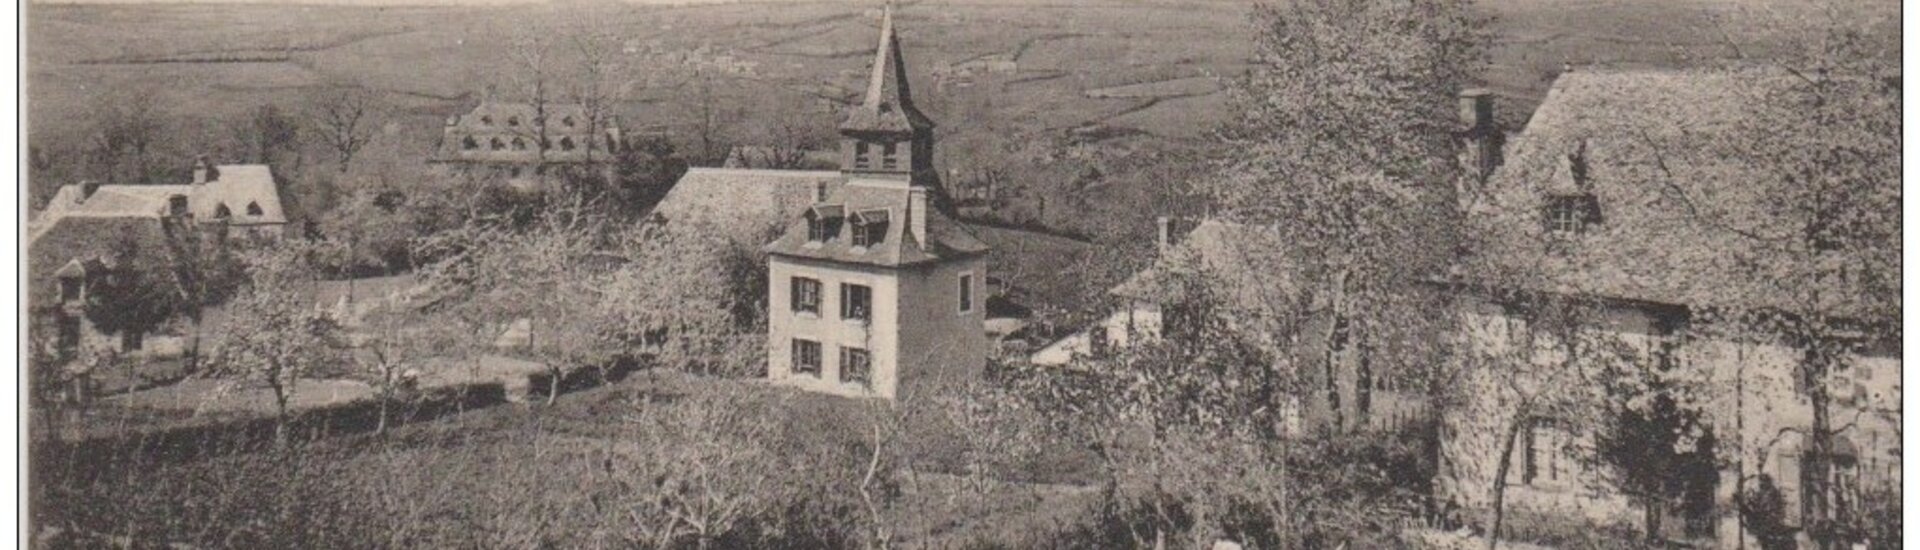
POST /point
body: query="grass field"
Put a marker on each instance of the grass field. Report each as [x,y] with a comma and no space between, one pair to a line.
[429,58]
[484,477]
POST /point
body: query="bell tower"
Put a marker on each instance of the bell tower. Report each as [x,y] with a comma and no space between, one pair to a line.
[885,137]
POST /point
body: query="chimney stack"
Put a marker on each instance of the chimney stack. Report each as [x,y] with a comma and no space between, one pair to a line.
[917,213]
[1483,138]
[202,171]
[819,192]
[1167,228]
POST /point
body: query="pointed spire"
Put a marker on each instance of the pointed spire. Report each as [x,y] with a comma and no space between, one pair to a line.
[888,106]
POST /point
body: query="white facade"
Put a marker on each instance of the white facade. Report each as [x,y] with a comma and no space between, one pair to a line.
[916,328]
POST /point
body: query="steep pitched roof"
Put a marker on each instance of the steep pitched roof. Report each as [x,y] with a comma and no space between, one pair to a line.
[241,188]
[882,203]
[1634,140]
[750,206]
[1213,257]
[571,134]
[888,106]
[91,241]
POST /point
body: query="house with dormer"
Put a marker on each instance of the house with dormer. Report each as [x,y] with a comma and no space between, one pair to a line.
[872,287]
[90,234]
[1588,205]
[521,142]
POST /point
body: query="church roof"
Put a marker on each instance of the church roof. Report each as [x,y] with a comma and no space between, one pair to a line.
[888,106]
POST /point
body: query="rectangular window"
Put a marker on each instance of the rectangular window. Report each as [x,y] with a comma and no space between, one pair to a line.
[1572,213]
[806,357]
[806,295]
[860,158]
[887,158]
[966,292]
[70,289]
[856,366]
[856,302]
[869,233]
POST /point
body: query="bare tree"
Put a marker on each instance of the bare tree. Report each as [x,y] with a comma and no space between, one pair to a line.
[344,118]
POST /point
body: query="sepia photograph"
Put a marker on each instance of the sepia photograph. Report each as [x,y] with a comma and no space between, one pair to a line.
[960,274]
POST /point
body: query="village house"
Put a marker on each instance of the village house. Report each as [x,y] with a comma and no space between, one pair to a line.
[1200,274]
[521,142]
[1581,204]
[89,233]
[872,287]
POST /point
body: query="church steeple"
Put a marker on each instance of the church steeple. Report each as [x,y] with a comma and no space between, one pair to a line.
[885,134]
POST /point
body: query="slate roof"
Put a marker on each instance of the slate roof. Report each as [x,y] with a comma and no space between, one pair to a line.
[750,207]
[238,187]
[878,201]
[1634,140]
[90,240]
[888,106]
[508,120]
[1212,257]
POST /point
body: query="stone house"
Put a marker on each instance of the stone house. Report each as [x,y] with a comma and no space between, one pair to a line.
[1583,206]
[1201,271]
[521,142]
[90,234]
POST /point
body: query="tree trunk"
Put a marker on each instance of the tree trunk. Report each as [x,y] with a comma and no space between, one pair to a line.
[1500,481]
[1654,511]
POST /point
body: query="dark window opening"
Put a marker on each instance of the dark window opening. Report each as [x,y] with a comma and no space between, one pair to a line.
[222,212]
[486,120]
[568,121]
[68,338]
[806,295]
[496,144]
[469,143]
[856,365]
[253,209]
[856,302]
[1572,213]
[860,158]
[966,293]
[806,357]
[822,228]
[887,158]
[1098,341]
[566,144]
[519,144]
[69,289]
[869,233]
[513,121]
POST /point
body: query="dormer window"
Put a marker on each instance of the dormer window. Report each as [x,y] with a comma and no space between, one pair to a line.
[513,121]
[519,144]
[823,222]
[1571,213]
[253,209]
[222,212]
[887,158]
[486,120]
[860,158]
[869,227]
[568,121]
[566,143]
[469,143]
[496,144]
[69,289]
